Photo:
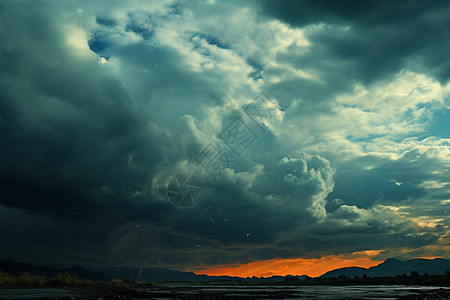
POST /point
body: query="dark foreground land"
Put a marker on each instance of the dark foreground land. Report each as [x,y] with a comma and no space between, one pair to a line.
[152,291]
[67,286]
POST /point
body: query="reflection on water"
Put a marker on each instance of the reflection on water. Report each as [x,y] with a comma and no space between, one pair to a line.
[297,292]
[174,291]
[34,293]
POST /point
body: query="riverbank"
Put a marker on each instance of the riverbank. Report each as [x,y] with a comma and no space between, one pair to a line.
[207,292]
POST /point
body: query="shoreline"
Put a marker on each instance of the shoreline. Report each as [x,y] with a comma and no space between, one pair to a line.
[150,291]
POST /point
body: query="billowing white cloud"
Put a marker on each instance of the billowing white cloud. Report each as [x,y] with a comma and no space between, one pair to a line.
[102,106]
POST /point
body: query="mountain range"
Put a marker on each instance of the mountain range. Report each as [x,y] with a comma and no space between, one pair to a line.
[145,274]
[15,268]
[393,267]
[390,267]
[158,274]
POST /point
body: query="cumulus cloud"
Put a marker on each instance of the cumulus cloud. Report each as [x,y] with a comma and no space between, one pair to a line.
[100,108]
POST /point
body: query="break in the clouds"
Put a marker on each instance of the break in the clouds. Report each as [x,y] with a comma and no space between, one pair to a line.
[101,104]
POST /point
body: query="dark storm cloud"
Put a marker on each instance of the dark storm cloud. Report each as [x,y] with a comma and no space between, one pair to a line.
[74,143]
[92,142]
[383,36]
[66,126]
[81,152]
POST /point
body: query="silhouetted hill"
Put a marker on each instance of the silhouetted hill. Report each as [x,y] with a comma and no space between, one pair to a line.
[86,274]
[394,267]
[349,272]
[389,268]
[16,269]
[158,274]
[145,274]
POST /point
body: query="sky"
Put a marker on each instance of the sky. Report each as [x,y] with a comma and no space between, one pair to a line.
[249,138]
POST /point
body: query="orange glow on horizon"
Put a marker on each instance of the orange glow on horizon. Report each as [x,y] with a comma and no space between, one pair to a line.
[429,257]
[312,267]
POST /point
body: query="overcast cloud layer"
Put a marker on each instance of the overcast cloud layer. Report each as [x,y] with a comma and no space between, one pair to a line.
[102,103]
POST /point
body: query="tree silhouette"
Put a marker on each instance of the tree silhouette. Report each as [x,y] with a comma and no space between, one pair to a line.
[414,274]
